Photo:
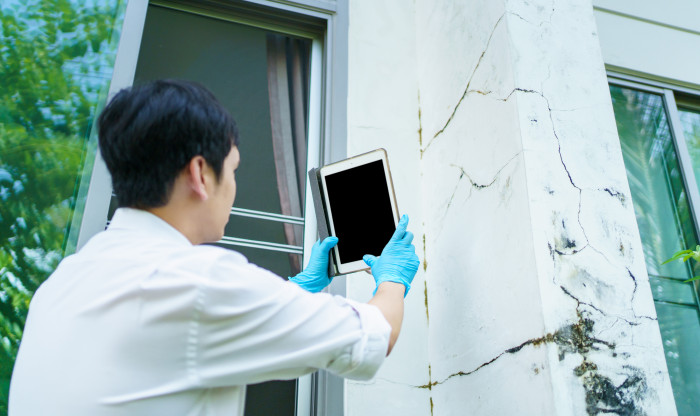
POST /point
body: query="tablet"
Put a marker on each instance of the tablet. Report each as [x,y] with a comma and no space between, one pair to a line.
[360,207]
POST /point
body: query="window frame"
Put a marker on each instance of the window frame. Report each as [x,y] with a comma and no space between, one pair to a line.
[689,98]
[321,393]
[668,94]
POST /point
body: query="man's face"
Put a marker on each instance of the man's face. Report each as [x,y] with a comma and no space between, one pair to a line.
[224,192]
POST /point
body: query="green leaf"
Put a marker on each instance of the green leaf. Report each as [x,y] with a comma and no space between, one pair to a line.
[691,279]
[677,255]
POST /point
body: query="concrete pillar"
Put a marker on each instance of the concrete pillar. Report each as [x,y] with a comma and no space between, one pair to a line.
[533,298]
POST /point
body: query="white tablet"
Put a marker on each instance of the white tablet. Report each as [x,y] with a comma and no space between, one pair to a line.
[361,207]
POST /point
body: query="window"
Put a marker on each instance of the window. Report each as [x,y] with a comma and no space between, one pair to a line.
[659,134]
[262,78]
[268,63]
[56,67]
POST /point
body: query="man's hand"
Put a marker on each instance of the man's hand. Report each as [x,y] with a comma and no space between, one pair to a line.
[315,278]
[398,262]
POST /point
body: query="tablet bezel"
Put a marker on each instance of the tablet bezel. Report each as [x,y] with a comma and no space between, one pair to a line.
[359,160]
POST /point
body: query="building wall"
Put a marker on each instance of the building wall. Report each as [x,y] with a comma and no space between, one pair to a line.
[533,298]
[383,111]
[652,39]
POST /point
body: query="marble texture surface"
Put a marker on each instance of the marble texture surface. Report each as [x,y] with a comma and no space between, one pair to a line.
[532,297]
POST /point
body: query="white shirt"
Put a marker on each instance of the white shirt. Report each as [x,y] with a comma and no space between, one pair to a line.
[141,322]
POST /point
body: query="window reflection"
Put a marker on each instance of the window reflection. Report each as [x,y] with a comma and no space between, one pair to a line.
[57,59]
[660,201]
[690,122]
[665,225]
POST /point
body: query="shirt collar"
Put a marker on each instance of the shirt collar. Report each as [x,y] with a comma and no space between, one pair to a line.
[143,222]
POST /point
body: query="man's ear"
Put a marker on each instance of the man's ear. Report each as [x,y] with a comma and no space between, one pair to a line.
[197,179]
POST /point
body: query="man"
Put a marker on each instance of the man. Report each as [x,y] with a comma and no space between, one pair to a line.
[145,320]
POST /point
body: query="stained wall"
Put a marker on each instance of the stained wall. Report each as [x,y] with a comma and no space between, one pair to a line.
[533,297]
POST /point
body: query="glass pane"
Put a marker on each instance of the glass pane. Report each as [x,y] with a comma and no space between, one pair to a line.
[666,225]
[265,86]
[680,331]
[237,63]
[672,290]
[57,60]
[690,121]
[660,201]
[199,54]
[258,229]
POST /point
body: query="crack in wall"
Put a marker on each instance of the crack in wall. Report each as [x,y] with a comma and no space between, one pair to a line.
[475,185]
[420,127]
[425,294]
[574,338]
[634,294]
[616,194]
[602,312]
[469,81]
[634,291]
[602,395]
[580,302]
[531,23]
[568,173]
[430,381]
[618,317]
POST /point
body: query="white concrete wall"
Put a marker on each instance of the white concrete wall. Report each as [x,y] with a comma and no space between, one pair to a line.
[383,112]
[533,297]
[652,38]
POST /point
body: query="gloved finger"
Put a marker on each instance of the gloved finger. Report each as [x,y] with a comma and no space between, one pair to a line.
[369,259]
[400,229]
[409,250]
[321,248]
[407,238]
[327,244]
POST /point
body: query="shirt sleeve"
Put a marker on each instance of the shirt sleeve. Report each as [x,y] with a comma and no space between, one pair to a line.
[251,326]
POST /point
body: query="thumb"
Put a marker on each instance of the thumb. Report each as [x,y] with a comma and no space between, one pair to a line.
[369,259]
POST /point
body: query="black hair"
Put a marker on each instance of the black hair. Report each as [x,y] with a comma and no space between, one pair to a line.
[149,133]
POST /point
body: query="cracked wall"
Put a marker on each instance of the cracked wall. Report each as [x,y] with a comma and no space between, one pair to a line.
[533,297]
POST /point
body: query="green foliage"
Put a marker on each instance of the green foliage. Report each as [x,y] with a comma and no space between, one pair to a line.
[686,255]
[55,58]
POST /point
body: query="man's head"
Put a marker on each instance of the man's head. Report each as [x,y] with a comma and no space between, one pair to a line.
[148,134]
[171,149]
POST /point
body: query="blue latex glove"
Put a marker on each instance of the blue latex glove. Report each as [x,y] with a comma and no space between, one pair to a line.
[398,261]
[314,278]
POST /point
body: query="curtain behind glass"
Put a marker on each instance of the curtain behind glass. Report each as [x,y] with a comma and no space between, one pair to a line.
[287,78]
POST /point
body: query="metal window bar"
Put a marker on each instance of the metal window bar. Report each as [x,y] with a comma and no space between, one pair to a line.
[242,212]
[686,169]
[683,156]
[265,245]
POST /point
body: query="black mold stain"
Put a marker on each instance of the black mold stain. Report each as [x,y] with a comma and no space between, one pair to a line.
[616,194]
[551,250]
[604,397]
[601,394]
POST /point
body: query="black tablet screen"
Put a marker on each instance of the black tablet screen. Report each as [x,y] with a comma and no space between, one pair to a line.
[361,210]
